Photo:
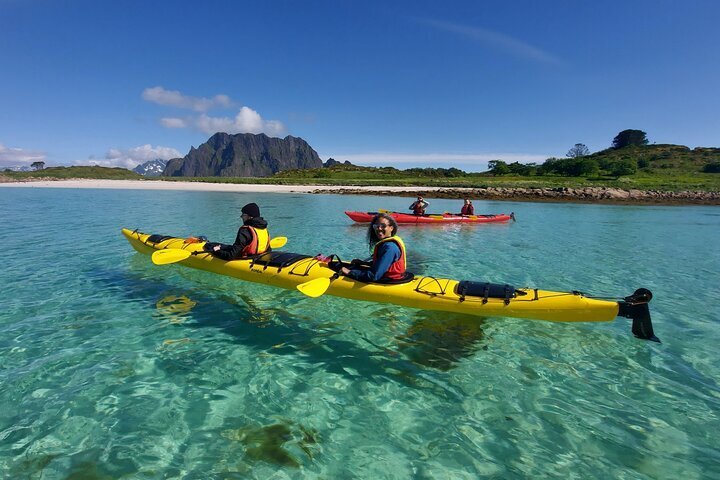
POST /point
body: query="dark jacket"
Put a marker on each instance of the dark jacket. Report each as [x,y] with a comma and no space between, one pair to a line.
[243,238]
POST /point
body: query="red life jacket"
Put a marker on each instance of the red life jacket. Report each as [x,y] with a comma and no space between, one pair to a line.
[467,210]
[419,208]
[260,242]
[397,268]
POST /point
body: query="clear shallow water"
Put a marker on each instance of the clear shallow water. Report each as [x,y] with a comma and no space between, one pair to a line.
[112,367]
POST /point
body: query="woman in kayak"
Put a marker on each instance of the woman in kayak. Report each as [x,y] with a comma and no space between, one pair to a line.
[467,208]
[388,260]
[418,206]
[252,237]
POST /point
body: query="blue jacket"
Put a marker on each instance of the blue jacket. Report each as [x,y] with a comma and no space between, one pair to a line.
[388,252]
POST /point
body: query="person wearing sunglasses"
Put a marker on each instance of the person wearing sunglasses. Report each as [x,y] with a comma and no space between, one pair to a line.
[388,259]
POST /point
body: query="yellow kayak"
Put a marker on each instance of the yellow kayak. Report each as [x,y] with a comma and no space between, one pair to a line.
[315,277]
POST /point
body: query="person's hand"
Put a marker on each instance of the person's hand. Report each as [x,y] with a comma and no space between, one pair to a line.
[344,270]
[216,248]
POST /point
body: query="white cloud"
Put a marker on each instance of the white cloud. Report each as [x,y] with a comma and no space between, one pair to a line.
[174,98]
[246,121]
[17,157]
[476,162]
[172,122]
[498,40]
[132,157]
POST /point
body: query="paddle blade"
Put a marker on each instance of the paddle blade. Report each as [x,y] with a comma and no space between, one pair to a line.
[314,288]
[278,242]
[171,255]
[382,210]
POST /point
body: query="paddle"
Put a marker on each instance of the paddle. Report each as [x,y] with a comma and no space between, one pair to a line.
[174,255]
[314,288]
[278,242]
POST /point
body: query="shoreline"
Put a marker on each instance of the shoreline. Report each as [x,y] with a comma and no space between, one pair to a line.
[518,194]
[198,186]
[604,195]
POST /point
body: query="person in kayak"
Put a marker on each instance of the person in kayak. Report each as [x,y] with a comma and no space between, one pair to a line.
[418,206]
[252,237]
[467,208]
[388,260]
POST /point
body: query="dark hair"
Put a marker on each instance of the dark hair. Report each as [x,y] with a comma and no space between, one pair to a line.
[372,234]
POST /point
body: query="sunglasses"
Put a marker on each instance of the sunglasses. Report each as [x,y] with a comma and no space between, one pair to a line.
[380,226]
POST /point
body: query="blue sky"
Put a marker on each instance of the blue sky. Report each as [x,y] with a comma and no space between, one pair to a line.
[401,83]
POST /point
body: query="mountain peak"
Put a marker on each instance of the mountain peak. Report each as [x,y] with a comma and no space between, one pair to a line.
[244,155]
[152,168]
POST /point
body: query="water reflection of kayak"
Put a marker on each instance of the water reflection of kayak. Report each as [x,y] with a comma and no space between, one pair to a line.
[366,217]
[315,277]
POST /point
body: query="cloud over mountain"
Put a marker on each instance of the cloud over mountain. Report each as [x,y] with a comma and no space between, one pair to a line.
[131,157]
[247,120]
[174,98]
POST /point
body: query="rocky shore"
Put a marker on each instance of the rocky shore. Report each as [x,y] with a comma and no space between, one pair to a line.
[558,194]
[520,194]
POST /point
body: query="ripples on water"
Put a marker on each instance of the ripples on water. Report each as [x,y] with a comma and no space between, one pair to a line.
[114,367]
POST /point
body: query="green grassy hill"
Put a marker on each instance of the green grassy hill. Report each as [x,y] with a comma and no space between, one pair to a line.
[663,157]
[64,173]
[649,167]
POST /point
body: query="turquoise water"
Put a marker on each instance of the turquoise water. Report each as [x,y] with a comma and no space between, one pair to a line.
[112,367]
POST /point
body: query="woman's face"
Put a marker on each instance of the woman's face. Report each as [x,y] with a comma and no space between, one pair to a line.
[383,229]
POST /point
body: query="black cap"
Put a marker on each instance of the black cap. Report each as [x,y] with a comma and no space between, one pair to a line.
[251,209]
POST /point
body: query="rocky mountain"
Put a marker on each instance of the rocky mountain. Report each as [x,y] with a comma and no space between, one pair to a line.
[152,168]
[244,155]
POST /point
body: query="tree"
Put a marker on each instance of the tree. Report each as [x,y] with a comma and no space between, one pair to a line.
[455,172]
[38,165]
[522,169]
[624,167]
[630,137]
[579,150]
[570,167]
[713,167]
[498,167]
[587,167]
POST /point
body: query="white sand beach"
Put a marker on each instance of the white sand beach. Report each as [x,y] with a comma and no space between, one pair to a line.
[517,194]
[201,186]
